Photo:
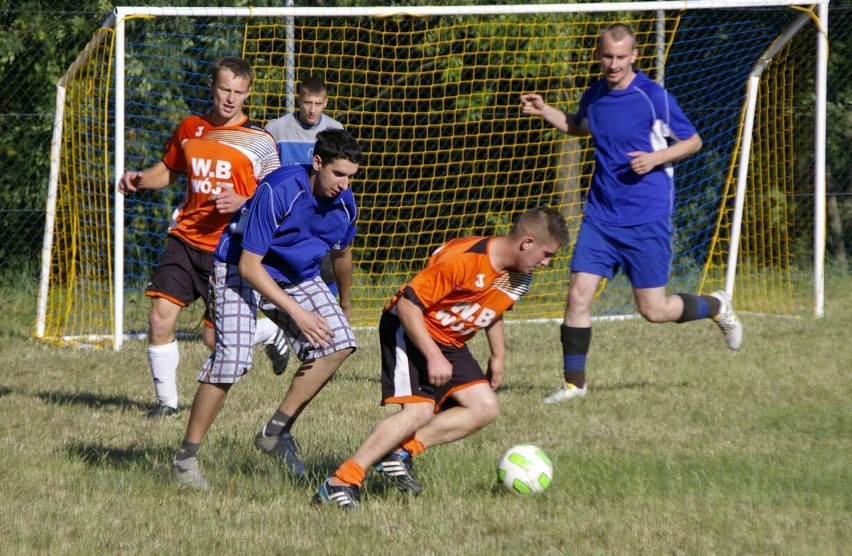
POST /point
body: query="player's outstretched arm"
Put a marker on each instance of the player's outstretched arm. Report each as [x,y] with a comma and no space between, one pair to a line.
[157,176]
[534,105]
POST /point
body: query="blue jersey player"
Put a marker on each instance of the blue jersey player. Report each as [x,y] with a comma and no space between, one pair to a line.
[268,258]
[638,131]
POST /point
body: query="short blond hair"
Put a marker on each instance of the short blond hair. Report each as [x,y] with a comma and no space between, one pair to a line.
[542,223]
[617,32]
[237,66]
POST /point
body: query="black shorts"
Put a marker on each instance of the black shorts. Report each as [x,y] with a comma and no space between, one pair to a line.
[183,274]
[405,376]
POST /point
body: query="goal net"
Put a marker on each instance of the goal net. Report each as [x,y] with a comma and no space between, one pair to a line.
[432,95]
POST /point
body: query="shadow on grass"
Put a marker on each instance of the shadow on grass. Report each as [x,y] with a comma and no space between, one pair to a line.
[5,391]
[88,399]
[640,384]
[526,388]
[99,455]
[354,377]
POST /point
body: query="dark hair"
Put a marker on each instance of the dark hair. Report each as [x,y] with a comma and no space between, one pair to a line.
[237,66]
[334,144]
[312,85]
[543,223]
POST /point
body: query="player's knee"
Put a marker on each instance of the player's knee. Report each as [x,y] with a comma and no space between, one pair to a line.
[338,357]
[579,301]
[161,329]
[653,314]
[487,411]
[418,414]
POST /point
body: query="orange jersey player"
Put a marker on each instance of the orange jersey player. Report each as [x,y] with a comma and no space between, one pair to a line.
[224,155]
[217,159]
[452,312]
[427,367]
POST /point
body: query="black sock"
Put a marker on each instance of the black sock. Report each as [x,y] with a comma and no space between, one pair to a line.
[697,307]
[575,347]
[187,450]
[278,425]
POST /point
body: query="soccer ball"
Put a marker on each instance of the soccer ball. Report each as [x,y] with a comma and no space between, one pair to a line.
[525,469]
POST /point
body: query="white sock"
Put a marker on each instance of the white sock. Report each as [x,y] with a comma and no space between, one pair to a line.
[266,330]
[164,361]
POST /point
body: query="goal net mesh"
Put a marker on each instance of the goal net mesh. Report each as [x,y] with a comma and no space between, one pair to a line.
[434,103]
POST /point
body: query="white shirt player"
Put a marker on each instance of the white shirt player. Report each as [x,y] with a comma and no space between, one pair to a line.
[295,139]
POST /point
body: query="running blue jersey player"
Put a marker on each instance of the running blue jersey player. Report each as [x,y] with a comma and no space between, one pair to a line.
[638,131]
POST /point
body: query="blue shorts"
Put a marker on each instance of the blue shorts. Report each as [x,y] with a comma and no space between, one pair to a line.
[643,252]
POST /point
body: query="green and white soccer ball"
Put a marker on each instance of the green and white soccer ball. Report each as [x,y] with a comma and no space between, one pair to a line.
[525,469]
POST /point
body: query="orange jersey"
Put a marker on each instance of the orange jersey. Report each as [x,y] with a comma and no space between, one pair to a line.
[459,291]
[215,158]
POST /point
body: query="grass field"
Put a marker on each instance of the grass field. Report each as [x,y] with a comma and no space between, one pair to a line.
[681,447]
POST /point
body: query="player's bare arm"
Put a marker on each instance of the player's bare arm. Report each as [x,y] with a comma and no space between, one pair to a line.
[533,104]
[440,370]
[497,360]
[157,176]
[642,162]
[312,325]
[341,264]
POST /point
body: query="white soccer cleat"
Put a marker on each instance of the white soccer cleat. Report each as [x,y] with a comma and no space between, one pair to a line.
[728,321]
[567,392]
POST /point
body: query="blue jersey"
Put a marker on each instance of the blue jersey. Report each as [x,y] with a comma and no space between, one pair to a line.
[639,118]
[289,226]
[296,140]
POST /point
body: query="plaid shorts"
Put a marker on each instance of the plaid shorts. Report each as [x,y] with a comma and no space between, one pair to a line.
[234,305]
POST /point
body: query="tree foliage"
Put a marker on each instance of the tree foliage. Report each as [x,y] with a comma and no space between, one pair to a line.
[42,38]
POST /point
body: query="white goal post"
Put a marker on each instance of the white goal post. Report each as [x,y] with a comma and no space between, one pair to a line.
[812,20]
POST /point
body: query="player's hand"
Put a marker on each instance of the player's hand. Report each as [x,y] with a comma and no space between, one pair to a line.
[315,329]
[347,309]
[228,202]
[641,162]
[532,104]
[495,372]
[129,182]
[440,371]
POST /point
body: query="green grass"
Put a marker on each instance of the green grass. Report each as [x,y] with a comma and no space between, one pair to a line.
[681,447]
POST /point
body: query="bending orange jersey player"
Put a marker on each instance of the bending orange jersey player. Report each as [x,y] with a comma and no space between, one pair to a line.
[427,367]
